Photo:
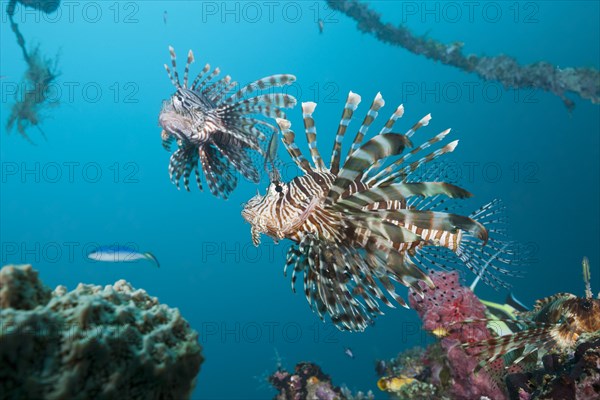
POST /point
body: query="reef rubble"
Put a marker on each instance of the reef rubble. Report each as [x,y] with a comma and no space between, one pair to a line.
[111,342]
[308,381]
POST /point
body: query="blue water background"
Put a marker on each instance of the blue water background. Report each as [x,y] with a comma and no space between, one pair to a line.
[233,294]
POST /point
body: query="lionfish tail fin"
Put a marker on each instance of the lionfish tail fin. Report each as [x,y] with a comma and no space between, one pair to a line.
[486,251]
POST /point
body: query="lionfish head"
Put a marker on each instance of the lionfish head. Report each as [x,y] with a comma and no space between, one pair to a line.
[585,314]
[184,101]
[261,212]
[180,119]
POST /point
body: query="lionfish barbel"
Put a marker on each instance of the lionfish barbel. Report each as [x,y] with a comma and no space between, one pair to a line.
[216,130]
[366,220]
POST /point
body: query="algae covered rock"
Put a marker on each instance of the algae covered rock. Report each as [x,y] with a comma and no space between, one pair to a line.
[112,342]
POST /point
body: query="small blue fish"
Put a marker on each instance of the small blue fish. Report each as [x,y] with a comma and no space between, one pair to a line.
[348,352]
[120,254]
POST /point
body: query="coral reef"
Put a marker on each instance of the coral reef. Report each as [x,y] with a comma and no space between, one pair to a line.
[449,370]
[445,370]
[112,342]
[585,82]
[441,310]
[309,382]
[563,376]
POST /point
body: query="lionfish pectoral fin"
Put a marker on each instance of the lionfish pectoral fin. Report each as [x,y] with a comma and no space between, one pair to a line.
[167,140]
[255,233]
[537,336]
[483,248]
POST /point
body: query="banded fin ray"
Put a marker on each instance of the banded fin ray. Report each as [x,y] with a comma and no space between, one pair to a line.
[537,336]
[352,103]
[261,84]
[385,173]
[401,191]
[311,135]
[435,220]
[379,147]
[371,116]
[292,148]
[220,177]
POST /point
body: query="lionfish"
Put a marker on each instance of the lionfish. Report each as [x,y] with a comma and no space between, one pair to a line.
[216,130]
[554,323]
[366,219]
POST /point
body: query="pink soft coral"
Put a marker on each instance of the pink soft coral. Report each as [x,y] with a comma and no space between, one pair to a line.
[444,308]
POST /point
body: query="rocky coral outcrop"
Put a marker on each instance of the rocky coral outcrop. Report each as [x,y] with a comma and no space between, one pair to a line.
[112,342]
[563,376]
[308,381]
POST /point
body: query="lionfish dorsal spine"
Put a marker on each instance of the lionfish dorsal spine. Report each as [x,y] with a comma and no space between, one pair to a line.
[202,85]
[352,103]
[216,87]
[392,120]
[386,129]
[262,84]
[405,172]
[186,72]
[173,75]
[200,75]
[378,147]
[387,172]
[371,116]
[422,122]
[291,146]
[311,135]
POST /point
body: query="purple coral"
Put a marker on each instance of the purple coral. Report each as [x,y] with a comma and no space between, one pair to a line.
[446,305]
[442,309]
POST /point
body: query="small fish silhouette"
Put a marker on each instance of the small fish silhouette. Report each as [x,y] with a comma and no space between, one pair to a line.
[120,254]
[348,352]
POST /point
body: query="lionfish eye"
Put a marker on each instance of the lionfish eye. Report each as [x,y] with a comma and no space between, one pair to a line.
[586,305]
[278,188]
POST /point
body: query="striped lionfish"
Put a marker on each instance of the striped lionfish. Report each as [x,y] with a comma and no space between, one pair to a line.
[366,220]
[555,323]
[218,130]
